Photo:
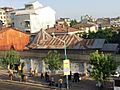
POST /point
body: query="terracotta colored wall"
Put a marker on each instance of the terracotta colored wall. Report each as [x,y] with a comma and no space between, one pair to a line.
[11,37]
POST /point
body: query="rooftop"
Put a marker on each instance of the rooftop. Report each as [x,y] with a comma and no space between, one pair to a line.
[59,29]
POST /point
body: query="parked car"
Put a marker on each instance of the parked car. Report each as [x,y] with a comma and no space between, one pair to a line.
[116,74]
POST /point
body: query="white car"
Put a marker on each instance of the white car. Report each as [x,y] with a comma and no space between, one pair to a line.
[116,74]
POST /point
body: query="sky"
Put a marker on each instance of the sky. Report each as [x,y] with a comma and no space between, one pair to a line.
[74,8]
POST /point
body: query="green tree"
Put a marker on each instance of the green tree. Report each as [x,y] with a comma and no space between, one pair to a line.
[84,35]
[11,58]
[104,34]
[103,66]
[73,22]
[53,60]
[89,35]
[115,38]
[101,33]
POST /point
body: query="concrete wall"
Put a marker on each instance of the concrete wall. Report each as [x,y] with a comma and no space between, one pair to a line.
[19,21]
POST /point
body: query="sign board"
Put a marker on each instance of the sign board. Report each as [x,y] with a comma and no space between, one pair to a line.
[66,66]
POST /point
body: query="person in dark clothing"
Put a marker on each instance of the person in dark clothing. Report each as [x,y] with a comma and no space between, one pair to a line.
[70,76]
[46,77]
[42,76]
[60,81]
[76,77]
[52,82]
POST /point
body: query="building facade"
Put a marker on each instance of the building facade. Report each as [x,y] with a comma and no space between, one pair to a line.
[33,17]
[86,27]
[5,16]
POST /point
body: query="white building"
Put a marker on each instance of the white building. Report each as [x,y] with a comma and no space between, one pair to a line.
[34,17]
[64,20]
[5,17]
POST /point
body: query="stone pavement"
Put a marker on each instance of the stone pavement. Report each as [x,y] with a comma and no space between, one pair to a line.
[38,82]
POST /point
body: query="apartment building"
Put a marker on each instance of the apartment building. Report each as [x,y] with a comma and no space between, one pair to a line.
[5,16]
[33,17]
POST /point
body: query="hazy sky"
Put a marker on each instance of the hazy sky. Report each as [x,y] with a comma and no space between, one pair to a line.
[74,8]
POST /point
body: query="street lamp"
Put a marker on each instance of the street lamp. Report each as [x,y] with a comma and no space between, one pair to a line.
[65,52]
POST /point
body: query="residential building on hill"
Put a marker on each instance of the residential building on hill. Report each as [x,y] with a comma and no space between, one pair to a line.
[103,23]
[86,27]
[33,17]
[11,38]
[5,16]
[63,20]
[87,18]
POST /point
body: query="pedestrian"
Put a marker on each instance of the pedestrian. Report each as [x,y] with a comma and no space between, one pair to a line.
[60,83]
[70,76]
[52,82]
[42,76]
[35,72]
[31,72]
[10,74]
[76,77]
[46,77]
[19,69]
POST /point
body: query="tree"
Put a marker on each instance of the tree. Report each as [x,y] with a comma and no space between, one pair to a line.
[103,66]
[11,58]
[73,22]
[101,33]
[104,34]
[84,35]
[53,60]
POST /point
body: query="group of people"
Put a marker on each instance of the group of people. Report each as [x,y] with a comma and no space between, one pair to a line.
[56,84]
[46,76]
[72,78]
[51,80]
[16,71]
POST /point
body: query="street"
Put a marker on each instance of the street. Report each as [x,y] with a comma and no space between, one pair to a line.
[14,86]
[36,83]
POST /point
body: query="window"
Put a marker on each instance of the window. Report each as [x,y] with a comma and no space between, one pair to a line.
[1,17]
[3,13]
[0,13]
[28,6]
[1,23]
[27,24]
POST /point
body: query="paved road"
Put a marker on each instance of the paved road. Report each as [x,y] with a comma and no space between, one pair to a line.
[14,86]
